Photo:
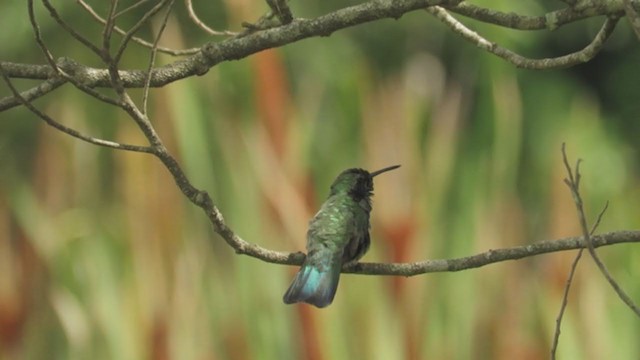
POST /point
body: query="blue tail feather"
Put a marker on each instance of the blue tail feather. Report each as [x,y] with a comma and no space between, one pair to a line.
[314,285]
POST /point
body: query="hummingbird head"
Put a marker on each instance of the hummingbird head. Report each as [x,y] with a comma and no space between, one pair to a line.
[358,183]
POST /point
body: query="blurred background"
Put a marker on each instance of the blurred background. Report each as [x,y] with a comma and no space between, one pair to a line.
[101,257]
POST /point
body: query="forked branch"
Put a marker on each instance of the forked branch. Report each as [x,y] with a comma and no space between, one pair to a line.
[573,182]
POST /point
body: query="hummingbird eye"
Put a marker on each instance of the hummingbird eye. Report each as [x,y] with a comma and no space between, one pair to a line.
[366,184]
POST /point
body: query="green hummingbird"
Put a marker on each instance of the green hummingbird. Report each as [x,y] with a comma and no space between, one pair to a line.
[338,234]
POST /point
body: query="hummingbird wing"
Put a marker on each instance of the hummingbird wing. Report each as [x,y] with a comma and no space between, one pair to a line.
[357,247]
[359,240]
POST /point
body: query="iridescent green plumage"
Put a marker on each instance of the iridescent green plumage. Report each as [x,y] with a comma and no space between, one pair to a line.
[338,233]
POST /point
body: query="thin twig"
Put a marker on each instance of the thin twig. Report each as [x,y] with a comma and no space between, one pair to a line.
[57,70]
[127,104]
[633,17]
[152,58]
[130,8]
[565,296]
[599,218]
[76,35]
[166,50]
[35,92]
[143,20]
[578,57]
[112,62]
[107,30]
[573,182]
[36,30]
[196,20]
[67,130]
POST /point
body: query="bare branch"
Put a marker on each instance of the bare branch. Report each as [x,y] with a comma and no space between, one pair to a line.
[565,296]
[599,218]
[112,62]
[28,71]
[56,16]
[108,30]
[61,68]
[633,17]
[152,59]
[240,47]
[68,130]
[90,77]
[550,21]
[29,95]
[143,20]
[491,256]
[43,47]
[563,306]
[130,8]
[518,60]
[136,39]
[573,182]
[196,20]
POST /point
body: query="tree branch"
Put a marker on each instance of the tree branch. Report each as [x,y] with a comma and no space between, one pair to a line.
[581,56]
[633,17]
[492,256]
[550,21]
[244,45]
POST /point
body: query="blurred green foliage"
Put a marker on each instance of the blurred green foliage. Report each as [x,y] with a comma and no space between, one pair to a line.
[102,258]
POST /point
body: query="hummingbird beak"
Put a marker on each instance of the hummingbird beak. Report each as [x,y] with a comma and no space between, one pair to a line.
[388,168]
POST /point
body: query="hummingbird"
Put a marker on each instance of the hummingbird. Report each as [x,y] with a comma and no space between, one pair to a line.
[338,234]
